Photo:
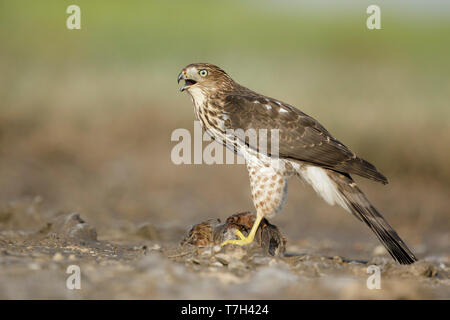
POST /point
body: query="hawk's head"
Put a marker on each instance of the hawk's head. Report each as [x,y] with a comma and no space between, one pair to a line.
[203,76]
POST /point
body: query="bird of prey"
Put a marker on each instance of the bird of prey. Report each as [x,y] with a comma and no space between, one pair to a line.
[305,149]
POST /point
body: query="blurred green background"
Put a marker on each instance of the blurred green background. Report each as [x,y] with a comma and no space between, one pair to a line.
[86,115]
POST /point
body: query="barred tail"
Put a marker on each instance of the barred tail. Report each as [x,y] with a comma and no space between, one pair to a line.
[360,206]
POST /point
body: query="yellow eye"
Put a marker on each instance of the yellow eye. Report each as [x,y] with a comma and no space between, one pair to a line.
[203,73]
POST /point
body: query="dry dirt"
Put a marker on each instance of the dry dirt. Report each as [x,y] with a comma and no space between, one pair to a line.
[101,193]
[145,262]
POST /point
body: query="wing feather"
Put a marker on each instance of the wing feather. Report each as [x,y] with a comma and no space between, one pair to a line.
[301,137]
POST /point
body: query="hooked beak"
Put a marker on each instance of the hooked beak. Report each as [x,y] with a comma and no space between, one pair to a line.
[180,77]
[188,82]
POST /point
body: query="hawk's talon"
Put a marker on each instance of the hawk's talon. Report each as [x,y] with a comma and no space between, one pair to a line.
[239,234]
[245,240]
[241,242]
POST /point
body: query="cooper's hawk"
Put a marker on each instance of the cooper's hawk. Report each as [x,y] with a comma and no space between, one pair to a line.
[305,149]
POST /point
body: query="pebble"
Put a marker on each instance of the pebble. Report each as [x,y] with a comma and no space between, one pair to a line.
[262,260]
[236,252]
[216,264]
[236,264]
[58,257]
[273,262]
[379,251]
[156,247]
[34,266]
[206,252]
[223,258]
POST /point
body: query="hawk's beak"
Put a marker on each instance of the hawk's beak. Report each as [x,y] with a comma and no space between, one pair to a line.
[181,76]
[189,82]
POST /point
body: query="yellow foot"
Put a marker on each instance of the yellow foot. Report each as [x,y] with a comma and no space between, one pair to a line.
[245,240]
[242,242]
[239,234]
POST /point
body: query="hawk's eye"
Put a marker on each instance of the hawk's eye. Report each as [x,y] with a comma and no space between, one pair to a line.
[203,73]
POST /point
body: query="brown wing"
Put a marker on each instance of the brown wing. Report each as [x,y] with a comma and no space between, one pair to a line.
[301,137]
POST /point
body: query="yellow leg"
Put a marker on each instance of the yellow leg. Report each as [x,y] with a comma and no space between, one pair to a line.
[243,240]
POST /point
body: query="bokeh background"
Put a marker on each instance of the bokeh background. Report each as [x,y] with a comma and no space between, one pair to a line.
[86,115]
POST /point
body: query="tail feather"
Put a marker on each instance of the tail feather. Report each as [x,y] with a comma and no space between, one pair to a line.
[360,206]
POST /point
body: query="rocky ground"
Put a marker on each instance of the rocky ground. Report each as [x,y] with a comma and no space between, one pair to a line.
[146,262]
[84,191]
